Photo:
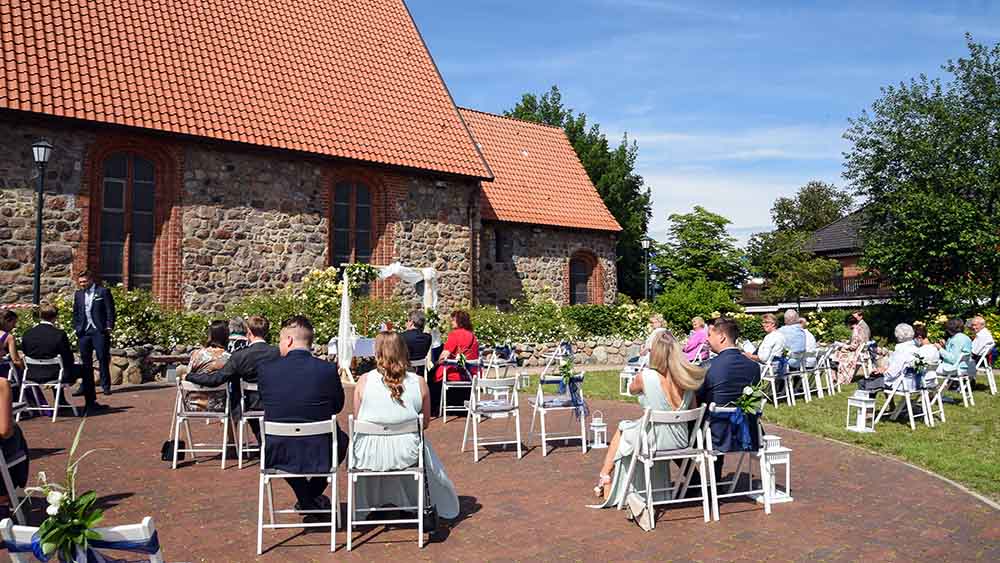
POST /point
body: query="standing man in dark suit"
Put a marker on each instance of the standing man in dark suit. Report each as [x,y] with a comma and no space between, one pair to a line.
[298,387]
[93,321]
[729,373]
[242,366]
[45,341]
[417,341]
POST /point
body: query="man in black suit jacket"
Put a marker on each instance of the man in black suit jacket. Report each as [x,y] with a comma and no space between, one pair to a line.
[729,373]
[242,366]
[45,341]
[417,341]
[93,321]
[300,388]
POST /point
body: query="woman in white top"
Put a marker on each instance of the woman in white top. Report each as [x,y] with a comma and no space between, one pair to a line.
[390,394]
[773,345]
[927,350]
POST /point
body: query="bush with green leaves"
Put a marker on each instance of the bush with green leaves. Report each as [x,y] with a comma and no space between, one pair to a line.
[679,302]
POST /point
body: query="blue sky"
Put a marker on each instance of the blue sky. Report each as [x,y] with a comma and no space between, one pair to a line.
[733,104]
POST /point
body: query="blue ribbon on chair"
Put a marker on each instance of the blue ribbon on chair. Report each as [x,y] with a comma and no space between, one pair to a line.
[149,546]
[575,396]
[782,362]
[741,428]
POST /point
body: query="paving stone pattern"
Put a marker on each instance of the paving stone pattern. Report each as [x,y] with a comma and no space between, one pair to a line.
[849,505]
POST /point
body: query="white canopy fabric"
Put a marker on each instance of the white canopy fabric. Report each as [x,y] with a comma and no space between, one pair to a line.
[346,339]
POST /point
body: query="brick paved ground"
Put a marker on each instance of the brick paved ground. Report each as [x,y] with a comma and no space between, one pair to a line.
[849,505]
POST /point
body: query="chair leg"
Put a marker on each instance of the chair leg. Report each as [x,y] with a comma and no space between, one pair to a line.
[805,387]
[350,511]
[647,469]
[260,513]
[177,434]
[583,432]
[444,400]
[702,476]
[465,434]
[991,379]
[420,511]
[713,488]
[225,440]
[475,437]
[270,500]
[968,387]
[774,392]
[57,392]
[334,512]
[909,412]
[20,399]
[517,430]
[545,450]
[239,444]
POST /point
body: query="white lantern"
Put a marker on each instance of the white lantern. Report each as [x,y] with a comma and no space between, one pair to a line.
[524,380]
[865,405]
[772,456]
[599,429]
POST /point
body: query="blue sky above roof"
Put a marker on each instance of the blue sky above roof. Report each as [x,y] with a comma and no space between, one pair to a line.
[733,104]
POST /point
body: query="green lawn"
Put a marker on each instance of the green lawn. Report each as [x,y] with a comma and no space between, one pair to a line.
[966,448]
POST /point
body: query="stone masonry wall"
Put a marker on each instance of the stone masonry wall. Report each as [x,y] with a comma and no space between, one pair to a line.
[538,258]
[61,216]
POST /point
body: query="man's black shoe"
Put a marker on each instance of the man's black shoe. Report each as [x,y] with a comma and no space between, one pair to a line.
[106,391]
[94,408]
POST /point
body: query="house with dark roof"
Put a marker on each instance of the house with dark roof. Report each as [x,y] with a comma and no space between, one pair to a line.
[853,285]
[209,150]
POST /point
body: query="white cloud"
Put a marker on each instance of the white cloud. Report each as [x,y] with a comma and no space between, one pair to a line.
[794,142]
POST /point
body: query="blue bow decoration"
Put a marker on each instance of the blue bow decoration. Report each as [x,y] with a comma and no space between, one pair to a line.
[741,429]
[574,395]
[150,546]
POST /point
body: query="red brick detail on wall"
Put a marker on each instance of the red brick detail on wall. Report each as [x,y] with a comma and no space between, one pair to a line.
[387,189]
[168,158]
[595,282]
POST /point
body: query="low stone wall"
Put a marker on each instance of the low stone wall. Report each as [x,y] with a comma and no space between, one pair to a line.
[594,351]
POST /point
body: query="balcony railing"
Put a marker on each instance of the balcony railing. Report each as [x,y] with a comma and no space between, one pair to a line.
[844,287]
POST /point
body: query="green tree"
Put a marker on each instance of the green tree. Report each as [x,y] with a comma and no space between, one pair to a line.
[926,161]
[814,206]
[789,269]
[699,248]
[611,170]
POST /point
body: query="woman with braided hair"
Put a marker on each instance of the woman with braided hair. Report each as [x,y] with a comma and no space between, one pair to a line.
[391,394]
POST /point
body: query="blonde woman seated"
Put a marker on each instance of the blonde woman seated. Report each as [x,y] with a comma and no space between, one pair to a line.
[668,384]
[391,394]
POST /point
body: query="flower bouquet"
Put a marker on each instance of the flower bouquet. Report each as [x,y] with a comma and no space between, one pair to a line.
[748,404]
[751,400]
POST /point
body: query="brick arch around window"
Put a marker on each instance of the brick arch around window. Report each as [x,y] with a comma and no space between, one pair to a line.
[167,160]
[584,261]
[381,188]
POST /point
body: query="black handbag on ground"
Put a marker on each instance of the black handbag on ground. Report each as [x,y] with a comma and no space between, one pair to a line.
[430,514]
[167,450]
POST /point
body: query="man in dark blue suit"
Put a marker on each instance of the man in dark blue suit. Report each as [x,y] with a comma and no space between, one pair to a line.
[729,373]
[300,388]
[93,321]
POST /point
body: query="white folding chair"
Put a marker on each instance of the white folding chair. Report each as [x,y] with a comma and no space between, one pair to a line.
[242,447]
[899,389]
[498,408]
[801,373]
[982,366]
[133,538]
[823,372]
[14,494]
[360,427]
[768,374]
[183,415]
[692,456]
[472,368]
[59,389]
[268,474]
[543,404]
[866,358]
[935,404]
[496,367]
[703,355]
[953,374]
[744,458]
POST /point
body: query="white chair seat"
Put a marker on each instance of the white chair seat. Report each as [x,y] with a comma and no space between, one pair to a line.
[553,401]
[491,406]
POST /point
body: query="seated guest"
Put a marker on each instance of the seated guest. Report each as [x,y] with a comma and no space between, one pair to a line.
[927,350]
[45,341]
[696,347]
[13,444]
[794,336]
[417,341]
[668,384]
[982,344]
[298,387]
[390,394]
[461,340]
[237,335]
[811,345]
[9,358]
[242,366]
[955,353]
[656,327]
[730,372]
[902,357]
[205,361]
[772,346]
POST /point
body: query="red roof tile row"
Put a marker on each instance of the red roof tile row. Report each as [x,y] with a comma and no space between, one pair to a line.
[350,79]
[538,177]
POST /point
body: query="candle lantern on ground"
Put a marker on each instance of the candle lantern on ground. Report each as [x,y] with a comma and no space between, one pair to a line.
[599,429]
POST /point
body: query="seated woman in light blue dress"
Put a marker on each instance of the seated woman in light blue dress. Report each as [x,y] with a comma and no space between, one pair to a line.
[668,384]
[957,352]
[390,394]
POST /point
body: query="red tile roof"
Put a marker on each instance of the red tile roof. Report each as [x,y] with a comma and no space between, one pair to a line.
[539,178]
[349,79]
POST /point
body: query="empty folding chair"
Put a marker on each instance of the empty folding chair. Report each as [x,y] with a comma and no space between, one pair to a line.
[505,407]
[355,474]
[472,368]
[690,458]
[269,474]
[800,374]
[546,404]
[132,538]
[184,414]
[61,392]
[744,459]
[242,447]
[985,367]
[823,376]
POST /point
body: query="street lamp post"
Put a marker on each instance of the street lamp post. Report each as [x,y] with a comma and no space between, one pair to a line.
[41,150]
[645,251]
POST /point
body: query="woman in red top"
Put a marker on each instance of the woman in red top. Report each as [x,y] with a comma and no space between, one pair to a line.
[461,340]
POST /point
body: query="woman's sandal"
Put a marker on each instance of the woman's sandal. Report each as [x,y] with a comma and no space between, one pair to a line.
[602,481]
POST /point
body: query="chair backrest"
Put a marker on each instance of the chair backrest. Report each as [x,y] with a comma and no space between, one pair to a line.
[557,379]
[57,361]
[714,409]
[299,430]
[184,387]
[143,534]
[363,427]
[507,385]
[651,418]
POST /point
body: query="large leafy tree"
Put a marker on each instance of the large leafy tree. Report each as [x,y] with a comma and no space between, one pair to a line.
[926,160]
[700,248]
[814,206]
[611,170]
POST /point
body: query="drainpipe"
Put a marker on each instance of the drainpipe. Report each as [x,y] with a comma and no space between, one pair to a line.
[473,244]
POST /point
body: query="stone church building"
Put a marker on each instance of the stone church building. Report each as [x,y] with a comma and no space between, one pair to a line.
[210,150]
